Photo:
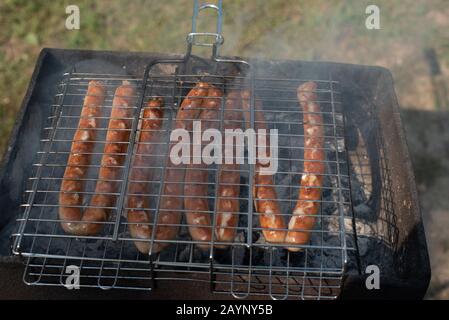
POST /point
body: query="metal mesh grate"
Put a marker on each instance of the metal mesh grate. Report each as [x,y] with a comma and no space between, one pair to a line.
[250,265]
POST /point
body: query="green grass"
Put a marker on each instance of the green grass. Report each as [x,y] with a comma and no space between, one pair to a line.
[282,29]
[319,29]
[324,30]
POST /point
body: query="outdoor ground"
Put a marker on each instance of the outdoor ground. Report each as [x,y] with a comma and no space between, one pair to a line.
[282,29]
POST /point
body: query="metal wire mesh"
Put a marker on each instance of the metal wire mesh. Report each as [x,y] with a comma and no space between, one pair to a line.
[249,265]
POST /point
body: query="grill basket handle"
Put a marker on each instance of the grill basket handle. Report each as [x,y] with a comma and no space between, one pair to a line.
[206,39]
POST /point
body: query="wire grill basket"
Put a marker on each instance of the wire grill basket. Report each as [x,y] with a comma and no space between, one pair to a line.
[247,266]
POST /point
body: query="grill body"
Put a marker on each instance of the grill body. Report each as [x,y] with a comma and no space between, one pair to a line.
[375,151]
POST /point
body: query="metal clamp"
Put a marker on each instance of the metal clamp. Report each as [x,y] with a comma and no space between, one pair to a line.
[195,38]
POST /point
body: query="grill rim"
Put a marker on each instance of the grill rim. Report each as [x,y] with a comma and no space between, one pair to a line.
[383,74]
[69,79]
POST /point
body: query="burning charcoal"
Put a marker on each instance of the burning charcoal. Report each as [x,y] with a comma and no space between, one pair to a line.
[363,210]
[363,243]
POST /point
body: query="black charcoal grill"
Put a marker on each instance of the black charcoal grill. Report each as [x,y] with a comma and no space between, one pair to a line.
[369,211]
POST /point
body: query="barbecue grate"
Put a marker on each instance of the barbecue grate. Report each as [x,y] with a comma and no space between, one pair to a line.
[249,263]
[248,266]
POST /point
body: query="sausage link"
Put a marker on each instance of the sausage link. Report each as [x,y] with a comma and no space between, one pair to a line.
[171,204]
[114,155]
[195,189]
[307,206]
[228,206]
[264,192]
[70,200]
[84,224]
[139,218]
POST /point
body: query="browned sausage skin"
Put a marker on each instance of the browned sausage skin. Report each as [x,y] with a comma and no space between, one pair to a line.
[307,206]
[264,192]
[138,215]
[116,146]
[78,162]
[169,216]
[228,206]
[117,136]
[195,189]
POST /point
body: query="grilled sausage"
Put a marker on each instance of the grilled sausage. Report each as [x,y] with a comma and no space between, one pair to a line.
[228,206]
[79,159]
[138,216]
[307,206]
[86,223]
[264,192]
[169,215]
[195,189]
[114,154]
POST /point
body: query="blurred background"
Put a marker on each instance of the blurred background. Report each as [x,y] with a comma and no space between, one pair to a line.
[413,43]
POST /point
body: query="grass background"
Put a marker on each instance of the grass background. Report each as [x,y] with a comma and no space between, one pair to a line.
[281,29]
